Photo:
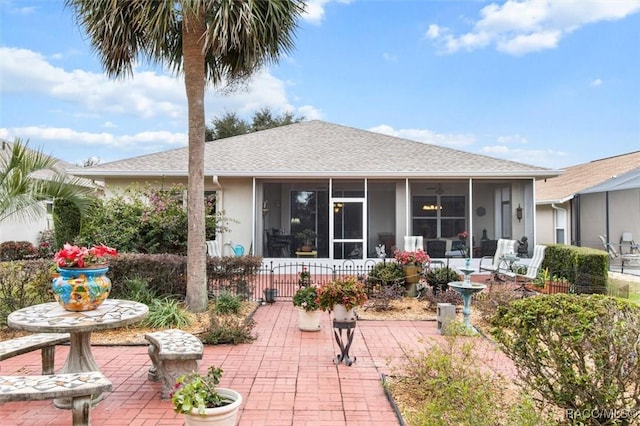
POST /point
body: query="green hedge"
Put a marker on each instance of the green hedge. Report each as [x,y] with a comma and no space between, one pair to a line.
[580,265]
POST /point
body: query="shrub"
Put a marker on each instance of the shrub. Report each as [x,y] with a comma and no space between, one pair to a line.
[488,303]
[166,313]
[448,386]
[228,329]
[447,296]
[138,290]
[578,352]
[439,278]
[385,273]
[66,219]
[307,298]
[227,304]
[16,250]
[22,284]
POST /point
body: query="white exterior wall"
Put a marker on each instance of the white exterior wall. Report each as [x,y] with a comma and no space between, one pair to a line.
[14,229]
[545,227]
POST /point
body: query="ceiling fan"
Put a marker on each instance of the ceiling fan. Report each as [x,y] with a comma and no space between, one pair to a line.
[436,189]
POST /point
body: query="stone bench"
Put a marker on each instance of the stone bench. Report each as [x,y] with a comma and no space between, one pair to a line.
[78,386]
[45,341]
[173,353]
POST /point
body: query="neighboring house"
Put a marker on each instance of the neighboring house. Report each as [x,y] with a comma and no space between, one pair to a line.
[16,228]
[601,197]
[355,189]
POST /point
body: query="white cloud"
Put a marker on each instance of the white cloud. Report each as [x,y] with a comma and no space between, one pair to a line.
[314,10]
[141,140]
[512,139]
[389,57]
[148,95]
[540,157]
[426,136]
[309,112]
[596,82]
[520,27]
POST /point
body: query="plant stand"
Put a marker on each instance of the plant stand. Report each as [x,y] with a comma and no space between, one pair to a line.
[349,326]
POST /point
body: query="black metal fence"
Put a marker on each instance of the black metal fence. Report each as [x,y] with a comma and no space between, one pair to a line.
[280,281]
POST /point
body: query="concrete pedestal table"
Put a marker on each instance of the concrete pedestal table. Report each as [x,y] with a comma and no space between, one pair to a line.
[53,318]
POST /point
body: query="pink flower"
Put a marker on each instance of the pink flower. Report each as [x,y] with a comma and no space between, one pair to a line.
[81,257]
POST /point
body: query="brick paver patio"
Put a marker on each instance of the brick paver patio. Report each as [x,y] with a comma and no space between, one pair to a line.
[286,376]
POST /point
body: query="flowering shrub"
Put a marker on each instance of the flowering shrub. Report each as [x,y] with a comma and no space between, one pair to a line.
[414,258]
[345,291]
[304,277]
[80,257]
[16,250]
[195,391]
[307,298]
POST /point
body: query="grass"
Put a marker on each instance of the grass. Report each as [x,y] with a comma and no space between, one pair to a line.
[634,288]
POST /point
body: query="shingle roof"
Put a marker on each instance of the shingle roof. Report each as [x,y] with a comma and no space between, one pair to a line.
[317,148]
[583,176]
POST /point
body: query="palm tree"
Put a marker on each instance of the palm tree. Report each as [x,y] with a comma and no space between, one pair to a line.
[217,41]
[28,177]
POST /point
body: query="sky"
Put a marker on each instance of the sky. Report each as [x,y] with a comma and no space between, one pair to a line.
[549,83]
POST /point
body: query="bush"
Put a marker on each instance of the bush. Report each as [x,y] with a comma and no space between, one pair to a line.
[144,221]
[227,304]
[578,352]
[448,386]
[22,284]
[384,283]
[439,278]
[66,220]
[16,250]
[229,329]
[138,290]
[166,313]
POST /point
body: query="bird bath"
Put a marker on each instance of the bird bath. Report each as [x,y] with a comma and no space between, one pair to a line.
[466,290]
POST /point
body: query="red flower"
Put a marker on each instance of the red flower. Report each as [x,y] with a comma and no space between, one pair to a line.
[81,257]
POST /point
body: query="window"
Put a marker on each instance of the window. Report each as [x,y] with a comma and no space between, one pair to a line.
[438,216]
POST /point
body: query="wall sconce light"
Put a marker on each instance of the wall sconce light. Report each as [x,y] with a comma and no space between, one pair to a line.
[295,220]
[265,207]
[337,207]
[519,213]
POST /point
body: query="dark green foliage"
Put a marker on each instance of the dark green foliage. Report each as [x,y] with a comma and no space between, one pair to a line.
[66,220]
[166,313]
[576,352]
[385,273]
[138,290]
[23,284]
[231,125]
[577,264]
[227,304]
[228,329]
[144,221]
[439,278]
[16,250]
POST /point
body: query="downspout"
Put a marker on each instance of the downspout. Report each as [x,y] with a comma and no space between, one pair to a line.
[219,206]
[553,206]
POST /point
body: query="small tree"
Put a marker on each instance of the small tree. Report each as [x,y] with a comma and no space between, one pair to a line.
[580,353]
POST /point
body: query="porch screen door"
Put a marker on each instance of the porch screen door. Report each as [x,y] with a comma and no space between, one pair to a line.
[348,228]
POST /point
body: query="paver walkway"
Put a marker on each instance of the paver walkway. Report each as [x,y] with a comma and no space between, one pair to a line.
[286,376]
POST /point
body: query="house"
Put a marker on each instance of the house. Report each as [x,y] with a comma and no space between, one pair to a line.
[601,197]
[353,189]
[17,228]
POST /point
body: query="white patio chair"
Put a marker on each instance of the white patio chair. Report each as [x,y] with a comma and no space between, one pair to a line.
[213,248]
[504,246]
[413,243]
[532,268]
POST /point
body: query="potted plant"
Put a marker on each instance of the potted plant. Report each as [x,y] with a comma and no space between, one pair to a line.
[304,277]
[411,262]
[201,401]
[82,283]
[341,296]
[309,313]
[307,237]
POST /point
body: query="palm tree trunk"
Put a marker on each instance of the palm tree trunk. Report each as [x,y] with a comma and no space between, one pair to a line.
[194,70]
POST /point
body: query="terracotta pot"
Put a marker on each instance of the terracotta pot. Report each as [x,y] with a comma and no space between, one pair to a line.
[81,289]
[219,416]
